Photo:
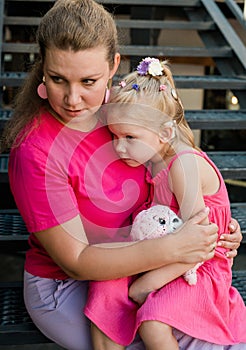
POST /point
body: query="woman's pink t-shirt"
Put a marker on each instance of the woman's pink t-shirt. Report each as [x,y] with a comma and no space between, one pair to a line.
[58,172]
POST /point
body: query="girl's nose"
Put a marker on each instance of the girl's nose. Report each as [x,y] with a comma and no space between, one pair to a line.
[119,145]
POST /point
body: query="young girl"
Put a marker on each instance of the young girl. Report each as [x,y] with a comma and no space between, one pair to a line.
[147,119]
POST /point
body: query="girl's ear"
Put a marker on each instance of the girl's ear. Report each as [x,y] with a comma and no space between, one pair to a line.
[115,66]
[167,134]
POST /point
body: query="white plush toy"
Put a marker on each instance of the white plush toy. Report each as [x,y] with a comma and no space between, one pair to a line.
[155,222]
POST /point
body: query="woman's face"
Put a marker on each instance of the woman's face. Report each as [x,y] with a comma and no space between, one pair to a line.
[76,81]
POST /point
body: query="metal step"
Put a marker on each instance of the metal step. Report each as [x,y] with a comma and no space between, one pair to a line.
[210,119]
[125,23]
[16,326]
[216,119]
[211,82]
[231,164]
[14,235]
[139,50]
[135,2]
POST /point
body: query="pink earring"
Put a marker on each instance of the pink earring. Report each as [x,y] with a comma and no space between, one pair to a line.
[107,95]
[41,90]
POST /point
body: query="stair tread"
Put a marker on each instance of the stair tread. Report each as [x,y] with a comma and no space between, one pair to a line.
[138,50]
[15,319]
[12,226]
[187,82]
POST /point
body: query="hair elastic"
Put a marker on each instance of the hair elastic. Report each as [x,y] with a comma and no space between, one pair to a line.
[122,83]
[163,87]
[135,87]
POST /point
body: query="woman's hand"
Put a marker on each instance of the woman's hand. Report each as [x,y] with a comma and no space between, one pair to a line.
[195,242]
[231,240]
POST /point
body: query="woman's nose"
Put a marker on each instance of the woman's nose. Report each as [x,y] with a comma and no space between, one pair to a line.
[73,96]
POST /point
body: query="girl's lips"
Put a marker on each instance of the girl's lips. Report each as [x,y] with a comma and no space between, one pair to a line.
[129,160]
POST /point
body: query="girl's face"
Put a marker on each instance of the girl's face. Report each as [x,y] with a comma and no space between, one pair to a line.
[136,144]
[76,81]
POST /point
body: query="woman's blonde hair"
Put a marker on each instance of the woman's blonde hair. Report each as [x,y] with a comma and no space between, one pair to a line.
[69,24]
[159,93]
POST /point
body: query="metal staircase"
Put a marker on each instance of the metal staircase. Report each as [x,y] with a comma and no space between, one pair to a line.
[221,50]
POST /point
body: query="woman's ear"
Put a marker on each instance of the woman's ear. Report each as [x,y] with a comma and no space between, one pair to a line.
[115,66]
[167,134]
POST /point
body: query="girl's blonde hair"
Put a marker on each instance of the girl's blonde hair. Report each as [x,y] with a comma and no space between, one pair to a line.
[160,94]
[69,24]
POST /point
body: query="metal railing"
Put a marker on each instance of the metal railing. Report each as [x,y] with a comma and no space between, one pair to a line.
[237,11]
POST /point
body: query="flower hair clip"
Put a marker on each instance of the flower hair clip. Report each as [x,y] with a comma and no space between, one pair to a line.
[151,66]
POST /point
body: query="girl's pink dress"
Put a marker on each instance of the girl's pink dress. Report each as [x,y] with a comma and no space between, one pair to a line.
[212,310]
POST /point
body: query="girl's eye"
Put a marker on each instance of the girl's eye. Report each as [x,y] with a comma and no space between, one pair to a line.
[129,137]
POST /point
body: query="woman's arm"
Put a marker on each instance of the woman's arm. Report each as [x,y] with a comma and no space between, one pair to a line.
[191,243]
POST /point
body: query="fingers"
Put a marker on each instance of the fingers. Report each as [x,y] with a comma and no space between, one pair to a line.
[214,246]
[197,241]
[212,232]
[230,241]
[228,244]
[234,226]
[200,216]
[231,253]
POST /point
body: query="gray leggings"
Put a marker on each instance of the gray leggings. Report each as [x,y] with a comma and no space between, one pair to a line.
[56,307]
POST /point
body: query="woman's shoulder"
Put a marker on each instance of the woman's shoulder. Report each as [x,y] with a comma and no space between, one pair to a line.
[40,132]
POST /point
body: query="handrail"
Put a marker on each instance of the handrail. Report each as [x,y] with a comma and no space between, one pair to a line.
[227,30]
[1,29]
[236,10]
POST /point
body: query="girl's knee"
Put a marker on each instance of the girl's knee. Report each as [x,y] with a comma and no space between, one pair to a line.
[157,335]
[155,326]
[101,341]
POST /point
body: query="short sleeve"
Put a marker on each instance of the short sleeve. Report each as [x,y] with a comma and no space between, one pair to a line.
[40,188]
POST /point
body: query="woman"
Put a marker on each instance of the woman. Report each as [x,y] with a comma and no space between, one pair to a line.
[78,192]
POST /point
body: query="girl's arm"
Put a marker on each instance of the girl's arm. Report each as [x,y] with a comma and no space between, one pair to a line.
[185,182]
[202,179]
[191,243]
[191,177]
[155,279]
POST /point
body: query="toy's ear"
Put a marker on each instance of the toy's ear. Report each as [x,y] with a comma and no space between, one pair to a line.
[166,134]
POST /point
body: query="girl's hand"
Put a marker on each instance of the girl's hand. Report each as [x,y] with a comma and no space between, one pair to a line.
[231,240]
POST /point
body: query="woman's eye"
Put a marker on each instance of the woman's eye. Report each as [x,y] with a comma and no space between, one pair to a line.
[88,81]
[129,137]
[56,79]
